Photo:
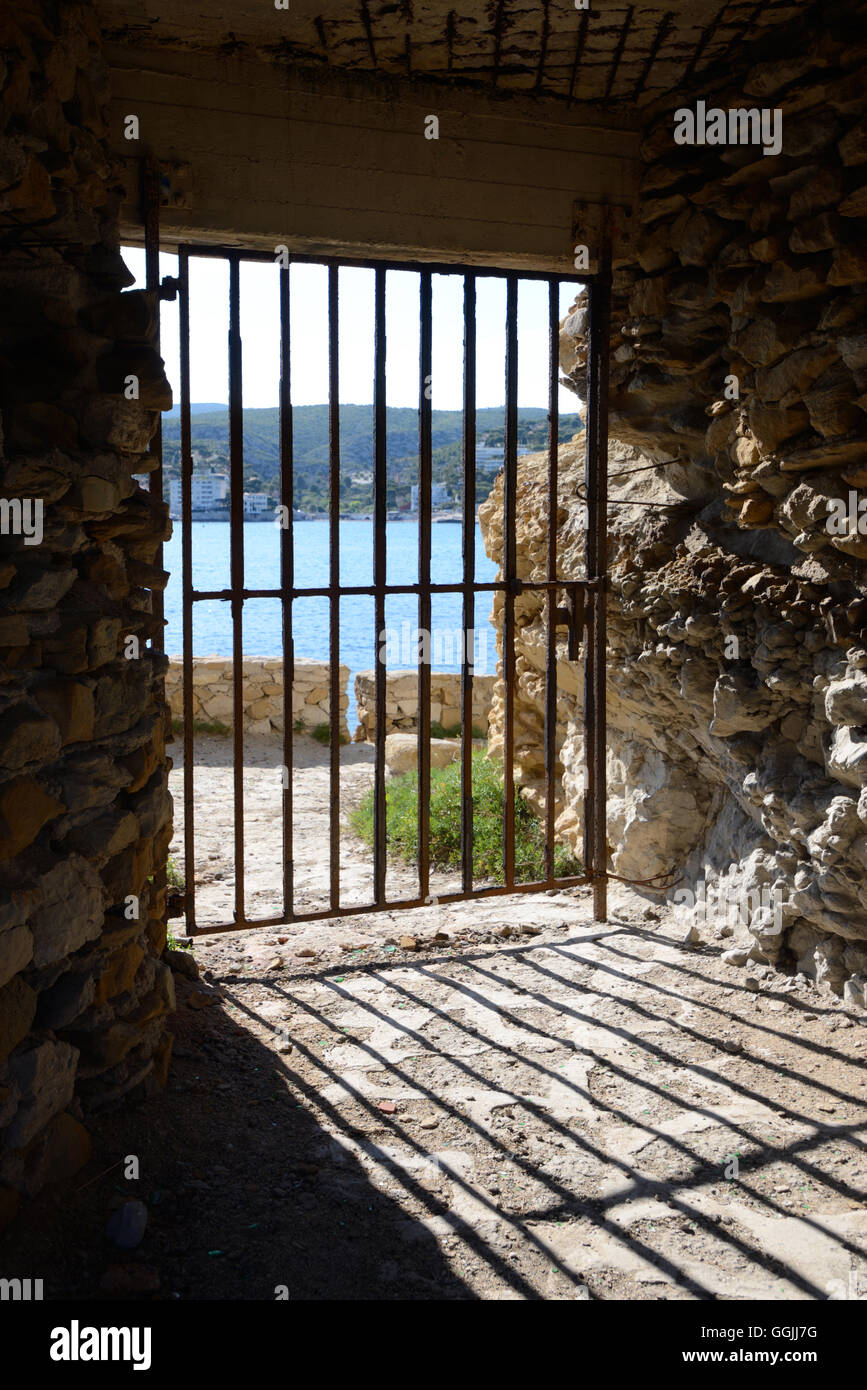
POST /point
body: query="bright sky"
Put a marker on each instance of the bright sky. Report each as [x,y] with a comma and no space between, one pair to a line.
[260,334]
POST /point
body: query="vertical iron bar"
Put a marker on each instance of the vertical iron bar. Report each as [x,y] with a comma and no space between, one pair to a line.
[334,581]
[595,837]
[236,545]
[151,201]
[510,480]
[425,654]
[287,583]
[469,574]
[551,648]
[187,588]
[379,575]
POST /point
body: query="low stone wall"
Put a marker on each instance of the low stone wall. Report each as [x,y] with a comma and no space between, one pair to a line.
[263,692]
[401,701]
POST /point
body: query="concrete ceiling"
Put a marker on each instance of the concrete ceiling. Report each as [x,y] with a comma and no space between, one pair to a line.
[624,54]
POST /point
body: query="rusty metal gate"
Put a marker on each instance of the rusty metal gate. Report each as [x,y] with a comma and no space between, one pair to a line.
[576,602]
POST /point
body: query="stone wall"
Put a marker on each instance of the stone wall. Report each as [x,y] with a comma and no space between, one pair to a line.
[738,619]
[401,704]
[263,693]
[85,816]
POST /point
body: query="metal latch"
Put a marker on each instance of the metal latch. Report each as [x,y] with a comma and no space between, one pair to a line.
[572,616]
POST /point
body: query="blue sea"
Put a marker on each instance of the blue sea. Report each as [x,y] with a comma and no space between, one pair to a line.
[212,626]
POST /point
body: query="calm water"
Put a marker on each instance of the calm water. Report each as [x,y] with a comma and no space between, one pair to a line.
[212,629]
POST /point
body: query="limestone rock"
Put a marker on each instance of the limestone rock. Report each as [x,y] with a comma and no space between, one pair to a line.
[401,752]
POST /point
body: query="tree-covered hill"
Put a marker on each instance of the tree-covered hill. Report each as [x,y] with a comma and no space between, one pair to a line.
[210,441]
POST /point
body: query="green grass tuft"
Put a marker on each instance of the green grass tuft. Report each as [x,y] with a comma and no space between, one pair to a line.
[401,818]
[322,734]
[203,726]
[438,730]
[174,877]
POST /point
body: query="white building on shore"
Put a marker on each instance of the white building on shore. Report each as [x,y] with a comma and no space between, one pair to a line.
[256,504]
[207,491]
[439,496]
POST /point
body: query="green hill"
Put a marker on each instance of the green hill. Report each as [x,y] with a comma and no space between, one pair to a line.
[210,441]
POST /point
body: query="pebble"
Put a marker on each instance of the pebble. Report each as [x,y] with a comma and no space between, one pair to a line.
[430,1123]
[408,943]
[126,1226]
[284,1045]
[276,963]
[531,931]
[738,955]
[751,983]
[306,954]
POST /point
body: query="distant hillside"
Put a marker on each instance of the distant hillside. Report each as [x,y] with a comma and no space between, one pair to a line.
[210,439]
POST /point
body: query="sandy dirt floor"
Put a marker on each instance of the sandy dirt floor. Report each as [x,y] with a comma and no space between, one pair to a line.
[516,1103]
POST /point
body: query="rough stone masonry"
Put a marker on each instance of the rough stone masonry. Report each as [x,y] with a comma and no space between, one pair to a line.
[85,817]
[738,603]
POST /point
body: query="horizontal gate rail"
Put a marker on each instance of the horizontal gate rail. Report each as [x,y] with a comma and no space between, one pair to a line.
[564,600]
[518,586]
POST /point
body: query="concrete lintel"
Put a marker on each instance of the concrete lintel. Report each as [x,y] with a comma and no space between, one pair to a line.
[335,163]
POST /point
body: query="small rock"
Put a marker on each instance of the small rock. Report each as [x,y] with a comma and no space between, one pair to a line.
[207,975]
[505,931]
[691,936]
[306,954]
[199,999]
[284,1045]
[430,1122]
[725,930]
[441,936]
[125,1227]
[731,1045]
[408,943]
[751,983]
[183,963]
[649,915]
[387,1106]
[130,1278]
[281,940]
[738,955]
[276,963]
[531,931]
